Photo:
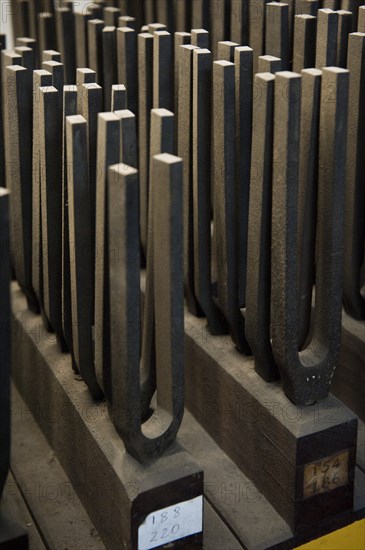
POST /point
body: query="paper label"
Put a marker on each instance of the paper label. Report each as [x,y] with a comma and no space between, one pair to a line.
[326,474]
[171,523]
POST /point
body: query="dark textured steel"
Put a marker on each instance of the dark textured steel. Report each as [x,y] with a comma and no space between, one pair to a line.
[164,279]
[4,338]
[307,195]
[47,31]
[200,14]
[95,48]
[57,71]
[200,38]
[65,29]
[219,17]
[8,58]
[83,76]
[92,98]
[226,50]
[127,21]
[81,39]
[110,74]
[326,44]
[240,21]
[150,12]
[163,89]
[81,244]
[161,141]
[183,15]
[306,376]
[165,14]
[18,107]
[41,78]
[201,193]
[243,58]
[184,150]
[69,109]
[257,16]
[145,104]
[355,173]
[259,233]
[51,55]
[154,27]
[361,20]
[225,211]
[128,137]
[50,146]
[2,135]
[277,37]
[268,64]
[331,4]
[111,16]
[353,6]
[180,39]
[96,10]
[306,7]
[304,50]
[345,23]
[127,65]
[119,97]
[28,59]
[108,153]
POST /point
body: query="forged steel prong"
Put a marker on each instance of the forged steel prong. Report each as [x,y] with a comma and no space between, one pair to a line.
[165,275]
[225,214]
[355,174]
[81,243]
[201,161]
[108,153]
[4,337]
[307,375]
[259,234]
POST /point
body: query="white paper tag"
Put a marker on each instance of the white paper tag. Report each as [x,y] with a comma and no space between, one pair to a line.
[171,523]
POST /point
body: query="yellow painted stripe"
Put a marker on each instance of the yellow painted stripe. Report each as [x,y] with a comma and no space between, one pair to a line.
[351,537]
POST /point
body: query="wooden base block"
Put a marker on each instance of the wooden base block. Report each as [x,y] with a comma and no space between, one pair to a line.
[301,458]
[118,493]
[349,380]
